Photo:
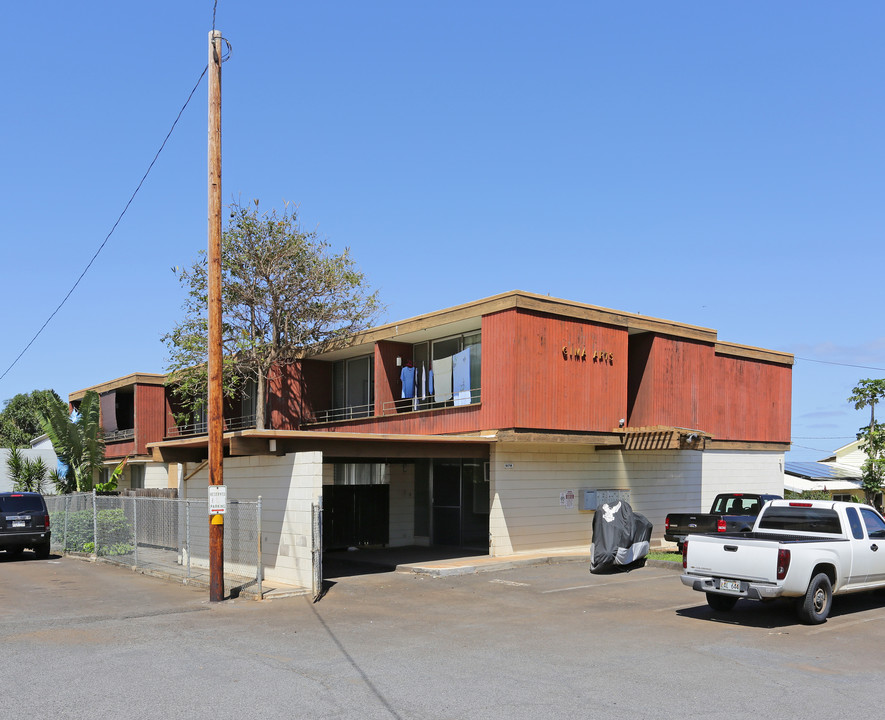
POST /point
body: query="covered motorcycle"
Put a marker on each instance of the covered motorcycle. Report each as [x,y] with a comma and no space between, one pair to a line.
[620,537]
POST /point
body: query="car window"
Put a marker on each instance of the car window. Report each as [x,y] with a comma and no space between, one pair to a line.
[21,504]
[875,525]
[801,519]
[854,522]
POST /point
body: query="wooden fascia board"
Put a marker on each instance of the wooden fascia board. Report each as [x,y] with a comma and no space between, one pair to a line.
[123,382]
[630,321]
[754,353]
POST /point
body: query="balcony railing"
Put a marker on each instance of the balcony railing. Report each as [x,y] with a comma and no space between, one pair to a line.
[465,397]
[352,412]
[119,435]
[244,422]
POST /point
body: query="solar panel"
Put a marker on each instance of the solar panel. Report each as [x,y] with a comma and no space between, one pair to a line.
[820,471]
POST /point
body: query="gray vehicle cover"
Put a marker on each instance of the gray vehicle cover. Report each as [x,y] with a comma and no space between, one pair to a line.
[620,537]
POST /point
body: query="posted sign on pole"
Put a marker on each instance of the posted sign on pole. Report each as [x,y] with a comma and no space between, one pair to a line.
[217,499]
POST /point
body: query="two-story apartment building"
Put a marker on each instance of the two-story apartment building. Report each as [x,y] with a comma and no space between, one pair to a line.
[497,424]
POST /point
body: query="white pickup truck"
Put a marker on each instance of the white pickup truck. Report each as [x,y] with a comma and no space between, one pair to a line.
[808,550]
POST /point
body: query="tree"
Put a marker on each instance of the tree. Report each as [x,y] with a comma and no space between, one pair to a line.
[20,418]
[867,393]
[283,291]
[27,475]
[77,440]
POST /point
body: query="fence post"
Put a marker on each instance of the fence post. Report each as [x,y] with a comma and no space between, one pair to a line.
[94,523]
[135,527]
[187,533]
[259,569]
[67,512]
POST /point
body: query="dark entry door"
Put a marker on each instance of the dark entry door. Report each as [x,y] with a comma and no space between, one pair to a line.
[447,502]
[460,504]
[355,515]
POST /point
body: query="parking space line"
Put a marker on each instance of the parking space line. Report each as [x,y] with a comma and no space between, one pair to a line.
[606,584]
[837,625]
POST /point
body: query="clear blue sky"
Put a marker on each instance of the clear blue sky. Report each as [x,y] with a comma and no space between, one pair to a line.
[719,164]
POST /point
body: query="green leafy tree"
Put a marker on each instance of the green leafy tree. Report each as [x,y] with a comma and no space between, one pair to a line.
[77,440]
[868,393]
[283,291]
[27,475]
[20,418]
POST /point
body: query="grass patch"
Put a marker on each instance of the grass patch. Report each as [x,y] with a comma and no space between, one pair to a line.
[672,555]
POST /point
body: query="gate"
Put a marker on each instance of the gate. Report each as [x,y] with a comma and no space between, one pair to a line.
[317,547]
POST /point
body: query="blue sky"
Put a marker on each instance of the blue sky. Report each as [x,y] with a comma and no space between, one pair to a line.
[718,164]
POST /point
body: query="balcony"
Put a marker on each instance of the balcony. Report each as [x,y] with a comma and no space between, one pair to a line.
[459,399]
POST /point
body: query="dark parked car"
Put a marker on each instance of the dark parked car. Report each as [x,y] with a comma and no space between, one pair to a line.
[24,523]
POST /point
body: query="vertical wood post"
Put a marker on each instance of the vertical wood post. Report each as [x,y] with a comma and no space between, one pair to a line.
[216,406]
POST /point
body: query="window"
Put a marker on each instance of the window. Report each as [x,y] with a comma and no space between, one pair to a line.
[360,474]
[456,363]
[136,476]
[801,519]
[353,387]
[854,522]
[875,525]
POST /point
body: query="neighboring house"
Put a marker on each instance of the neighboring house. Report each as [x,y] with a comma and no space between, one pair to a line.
[839,475]
[539,410]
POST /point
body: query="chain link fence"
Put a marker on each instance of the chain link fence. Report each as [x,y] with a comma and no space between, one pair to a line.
[159,535]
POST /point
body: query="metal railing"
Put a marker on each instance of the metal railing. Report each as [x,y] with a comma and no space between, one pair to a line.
[465,397]
[159,534]
[118,435]
[244,422]
[351,412]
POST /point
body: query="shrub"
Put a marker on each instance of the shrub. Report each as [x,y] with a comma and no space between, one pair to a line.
[115,535]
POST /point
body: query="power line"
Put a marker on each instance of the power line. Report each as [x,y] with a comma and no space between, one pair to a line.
[101,247]
[827,362]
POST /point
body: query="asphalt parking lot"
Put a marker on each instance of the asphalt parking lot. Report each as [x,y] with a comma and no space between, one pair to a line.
[90,640]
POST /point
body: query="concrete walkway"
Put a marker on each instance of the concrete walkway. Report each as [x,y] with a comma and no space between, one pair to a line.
[438,562]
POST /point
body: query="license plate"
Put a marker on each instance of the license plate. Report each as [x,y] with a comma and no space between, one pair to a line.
[18,523]
[733,585]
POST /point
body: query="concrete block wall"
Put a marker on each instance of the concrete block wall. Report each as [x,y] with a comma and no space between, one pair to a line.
[288,486]
[156,475]
[741,471]
[528,481]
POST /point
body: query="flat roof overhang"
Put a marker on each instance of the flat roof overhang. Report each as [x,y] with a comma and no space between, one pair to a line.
[331,444]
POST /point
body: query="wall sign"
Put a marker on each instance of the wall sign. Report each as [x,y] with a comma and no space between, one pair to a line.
[572,352]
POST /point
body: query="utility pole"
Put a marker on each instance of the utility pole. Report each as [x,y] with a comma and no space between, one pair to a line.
[216,405]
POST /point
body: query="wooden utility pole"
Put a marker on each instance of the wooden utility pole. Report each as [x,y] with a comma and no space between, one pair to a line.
[216,406]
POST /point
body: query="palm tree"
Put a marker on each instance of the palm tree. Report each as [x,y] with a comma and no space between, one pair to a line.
[77,439]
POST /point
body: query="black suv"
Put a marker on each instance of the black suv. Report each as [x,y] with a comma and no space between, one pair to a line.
[24,523]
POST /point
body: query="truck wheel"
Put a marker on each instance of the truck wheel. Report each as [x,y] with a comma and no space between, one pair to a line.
[815,606]
[42,551]
[723,603]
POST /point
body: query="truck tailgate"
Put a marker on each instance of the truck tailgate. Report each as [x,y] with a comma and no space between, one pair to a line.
[729,557]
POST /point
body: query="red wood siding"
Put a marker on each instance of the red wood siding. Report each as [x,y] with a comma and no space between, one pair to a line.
[751,400]
[682,383]
[151,416]
[553,373]
[387,373]
[297,391]
[565,393]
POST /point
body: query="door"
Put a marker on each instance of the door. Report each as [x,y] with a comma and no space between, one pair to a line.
[460,504]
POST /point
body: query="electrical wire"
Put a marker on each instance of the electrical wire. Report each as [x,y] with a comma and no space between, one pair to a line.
[108,237]
[827,362]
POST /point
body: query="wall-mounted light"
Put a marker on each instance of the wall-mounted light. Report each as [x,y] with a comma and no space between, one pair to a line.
[399,362]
